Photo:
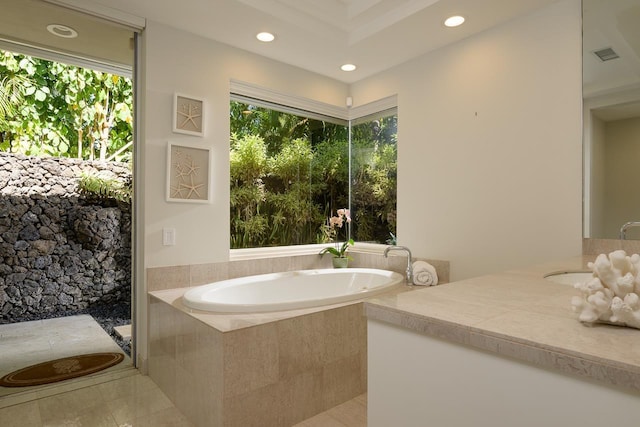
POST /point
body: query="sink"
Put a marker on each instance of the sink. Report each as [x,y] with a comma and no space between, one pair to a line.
[569,277]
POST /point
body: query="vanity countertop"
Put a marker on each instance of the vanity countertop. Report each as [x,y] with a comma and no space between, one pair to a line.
[519,314]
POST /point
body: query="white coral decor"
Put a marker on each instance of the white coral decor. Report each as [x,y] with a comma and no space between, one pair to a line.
[611,295]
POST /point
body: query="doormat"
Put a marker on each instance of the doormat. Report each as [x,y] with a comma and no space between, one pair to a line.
[61,369]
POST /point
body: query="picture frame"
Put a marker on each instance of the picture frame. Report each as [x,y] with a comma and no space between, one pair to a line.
[188,115]
[188,173]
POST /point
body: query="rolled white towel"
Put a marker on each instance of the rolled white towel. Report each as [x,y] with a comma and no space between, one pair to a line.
[424,274]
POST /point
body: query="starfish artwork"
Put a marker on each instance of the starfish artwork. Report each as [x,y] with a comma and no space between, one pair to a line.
[189,116]
[186,182]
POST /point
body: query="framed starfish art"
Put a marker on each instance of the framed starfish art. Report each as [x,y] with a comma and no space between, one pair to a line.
[188,174]
[188,115]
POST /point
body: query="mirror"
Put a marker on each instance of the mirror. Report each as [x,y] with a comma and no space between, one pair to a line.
[611,108]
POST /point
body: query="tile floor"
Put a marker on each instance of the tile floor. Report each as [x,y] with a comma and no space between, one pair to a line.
[131,401]
[352,413]
[135,401]
[117,397]
[27,343]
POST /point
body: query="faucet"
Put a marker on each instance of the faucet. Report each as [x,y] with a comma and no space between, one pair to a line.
[409,260]
[623,229]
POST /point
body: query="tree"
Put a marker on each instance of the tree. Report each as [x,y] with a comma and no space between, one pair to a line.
[290,173]
[65,110]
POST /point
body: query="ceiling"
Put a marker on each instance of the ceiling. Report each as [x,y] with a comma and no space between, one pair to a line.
[25,21]
[316,35]
[321,35]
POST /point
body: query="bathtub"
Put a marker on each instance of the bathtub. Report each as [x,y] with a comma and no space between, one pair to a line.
[290,290]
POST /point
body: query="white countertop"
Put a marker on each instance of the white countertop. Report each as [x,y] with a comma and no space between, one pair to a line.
[521,315]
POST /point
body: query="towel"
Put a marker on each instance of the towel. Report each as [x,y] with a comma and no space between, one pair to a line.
[424,274]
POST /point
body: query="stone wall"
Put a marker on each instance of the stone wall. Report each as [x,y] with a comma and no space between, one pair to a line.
[59,250]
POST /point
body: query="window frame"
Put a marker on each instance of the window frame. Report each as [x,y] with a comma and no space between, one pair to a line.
[259,96]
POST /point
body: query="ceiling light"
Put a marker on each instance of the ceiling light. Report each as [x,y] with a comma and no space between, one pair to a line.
[62,31]
[454,21]
[265,37]
[348,67]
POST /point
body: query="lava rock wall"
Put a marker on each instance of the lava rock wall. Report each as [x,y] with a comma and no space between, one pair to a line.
[59,250]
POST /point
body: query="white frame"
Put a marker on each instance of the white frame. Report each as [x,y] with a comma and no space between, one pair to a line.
[177,126]
[203,161]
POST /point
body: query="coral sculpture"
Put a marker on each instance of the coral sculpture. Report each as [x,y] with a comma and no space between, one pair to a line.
[611,295]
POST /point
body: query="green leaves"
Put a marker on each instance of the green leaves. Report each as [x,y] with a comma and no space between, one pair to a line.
[63,110]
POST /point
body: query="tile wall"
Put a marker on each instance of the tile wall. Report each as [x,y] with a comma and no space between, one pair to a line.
[277,373]
[605,246]
[160,278]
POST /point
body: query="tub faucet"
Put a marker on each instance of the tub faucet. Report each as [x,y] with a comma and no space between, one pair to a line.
[623,229]
[409,260]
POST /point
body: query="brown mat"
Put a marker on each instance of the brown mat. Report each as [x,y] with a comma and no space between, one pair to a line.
[61,369]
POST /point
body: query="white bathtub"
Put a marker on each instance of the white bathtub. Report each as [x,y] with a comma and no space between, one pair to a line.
[290,290]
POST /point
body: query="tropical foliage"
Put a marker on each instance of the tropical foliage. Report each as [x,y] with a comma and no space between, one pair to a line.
[49,108]
[289,173]
[105,189]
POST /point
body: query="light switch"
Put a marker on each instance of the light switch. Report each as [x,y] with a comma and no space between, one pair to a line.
[168,236]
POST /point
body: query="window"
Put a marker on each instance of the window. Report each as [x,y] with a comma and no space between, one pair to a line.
[374,170]
[291,169]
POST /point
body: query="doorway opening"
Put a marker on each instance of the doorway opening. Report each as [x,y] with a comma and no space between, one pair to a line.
[66,156]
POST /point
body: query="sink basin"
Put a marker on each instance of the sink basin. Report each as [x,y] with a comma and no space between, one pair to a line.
[569,277]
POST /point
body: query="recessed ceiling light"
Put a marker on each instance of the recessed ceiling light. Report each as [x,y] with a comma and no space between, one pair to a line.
[62,31]
[348,67]
[265,37]
[454,21]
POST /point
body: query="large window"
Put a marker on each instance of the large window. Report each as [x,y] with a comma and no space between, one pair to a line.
[292,169]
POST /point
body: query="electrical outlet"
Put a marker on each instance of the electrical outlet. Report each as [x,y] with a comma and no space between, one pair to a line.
[168,236]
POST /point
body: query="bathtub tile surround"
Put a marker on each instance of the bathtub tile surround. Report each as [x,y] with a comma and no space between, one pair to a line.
[279,372]
[274,368]
[161,278]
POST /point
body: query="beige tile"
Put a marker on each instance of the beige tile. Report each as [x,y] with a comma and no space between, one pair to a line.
[345,332]
[124,387]
[159,278]
[258,266]
[185,343]
[310,262]
[351,413]
[321,420]
[257,408]
[300,397]
[201,274]
[22,415]
[71,405]
[137,406]
[169,417]
[250,359]
[99,417]
[208,376]
[342,381]
[301,342]
[18,398]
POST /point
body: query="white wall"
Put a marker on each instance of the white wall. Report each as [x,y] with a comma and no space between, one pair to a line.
[180,62]
[175,61]
[489,141]
[490,148]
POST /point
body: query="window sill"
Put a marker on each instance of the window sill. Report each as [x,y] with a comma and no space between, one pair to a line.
[282,251]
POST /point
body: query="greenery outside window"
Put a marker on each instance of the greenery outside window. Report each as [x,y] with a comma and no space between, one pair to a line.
[292,169]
